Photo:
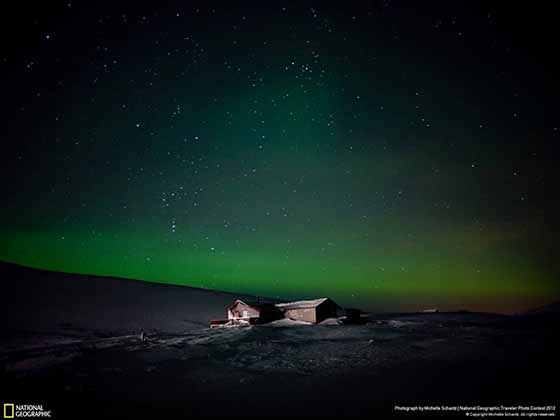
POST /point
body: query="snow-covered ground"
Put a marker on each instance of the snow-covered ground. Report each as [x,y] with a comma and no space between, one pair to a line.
[92,351]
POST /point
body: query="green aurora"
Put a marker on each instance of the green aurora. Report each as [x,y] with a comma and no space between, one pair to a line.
[323,157]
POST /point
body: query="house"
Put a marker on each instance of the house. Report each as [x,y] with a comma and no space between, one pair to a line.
[313,311]
[242,313]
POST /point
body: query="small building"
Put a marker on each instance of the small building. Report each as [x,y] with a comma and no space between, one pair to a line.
[253,313]
[313,311]
[429,311]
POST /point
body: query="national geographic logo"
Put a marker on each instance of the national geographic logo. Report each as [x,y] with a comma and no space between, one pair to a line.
[25,411]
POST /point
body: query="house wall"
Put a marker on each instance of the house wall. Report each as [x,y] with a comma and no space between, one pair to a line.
[303,314]
[327,309]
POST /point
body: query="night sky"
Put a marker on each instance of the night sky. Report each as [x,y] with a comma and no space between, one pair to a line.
[388,154]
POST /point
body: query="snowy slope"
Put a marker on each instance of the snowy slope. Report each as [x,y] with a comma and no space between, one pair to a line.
[39,300]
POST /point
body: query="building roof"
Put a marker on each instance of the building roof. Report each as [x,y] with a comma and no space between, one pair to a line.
[237,301]
[259,306]
[301,304]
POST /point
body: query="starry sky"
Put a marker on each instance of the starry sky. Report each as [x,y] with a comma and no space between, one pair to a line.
[388,154]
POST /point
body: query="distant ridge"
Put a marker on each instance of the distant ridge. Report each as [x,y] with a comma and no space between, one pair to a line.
[6,266]
[550,309]
[43,300]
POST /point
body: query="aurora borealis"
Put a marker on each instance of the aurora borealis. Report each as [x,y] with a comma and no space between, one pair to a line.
[386,154]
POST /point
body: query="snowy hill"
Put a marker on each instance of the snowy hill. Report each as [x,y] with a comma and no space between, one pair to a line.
[40,300]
